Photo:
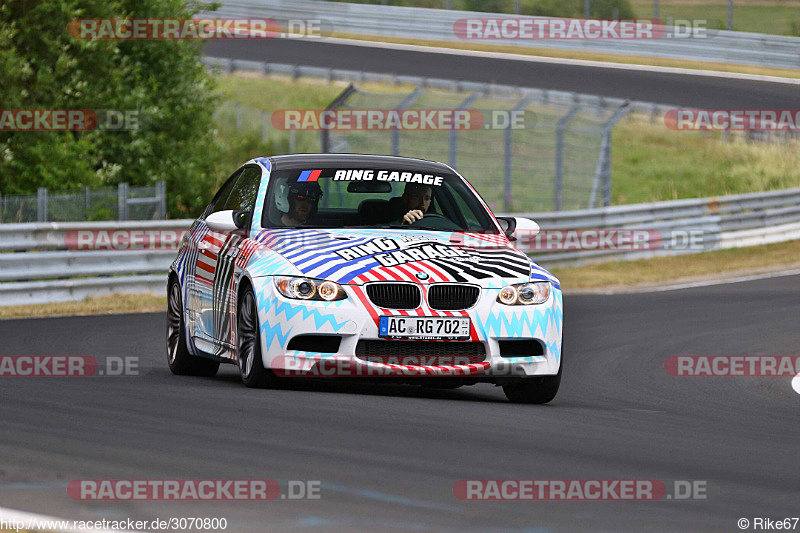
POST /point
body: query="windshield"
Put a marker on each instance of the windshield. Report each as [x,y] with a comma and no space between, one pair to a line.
[373,198]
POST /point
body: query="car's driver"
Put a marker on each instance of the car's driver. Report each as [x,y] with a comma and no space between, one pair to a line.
[416,200]
[303,202]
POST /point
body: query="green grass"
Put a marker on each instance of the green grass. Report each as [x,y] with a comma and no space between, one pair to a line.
[758,16]
[651,163]
[279,93]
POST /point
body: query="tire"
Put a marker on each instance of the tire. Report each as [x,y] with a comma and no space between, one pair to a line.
[536,390]
[248,343]
[180,361]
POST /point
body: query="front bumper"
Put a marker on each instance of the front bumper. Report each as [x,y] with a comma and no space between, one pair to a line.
[356,319]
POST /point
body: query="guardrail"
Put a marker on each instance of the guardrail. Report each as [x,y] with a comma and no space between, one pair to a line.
[37,267]
[716,223]
[437,24]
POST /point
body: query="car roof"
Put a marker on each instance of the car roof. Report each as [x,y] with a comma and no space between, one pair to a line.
[304,161]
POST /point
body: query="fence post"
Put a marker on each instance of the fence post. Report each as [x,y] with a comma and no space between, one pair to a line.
[730,15]
[41,204]
[653,113]
[508,153]
[264,126]
[238,117]
[292,140]
[325,134]
[561,126]
[87,205]
[161,194]
[122,201]
[324,141]
[602,175]
[466,104]
[407,102]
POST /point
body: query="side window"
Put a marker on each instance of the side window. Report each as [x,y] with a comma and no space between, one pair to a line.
[243,194]
[222,195]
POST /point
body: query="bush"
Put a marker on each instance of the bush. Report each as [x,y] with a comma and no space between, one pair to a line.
[44,68]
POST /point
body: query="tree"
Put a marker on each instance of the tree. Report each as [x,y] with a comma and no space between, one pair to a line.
[162,80]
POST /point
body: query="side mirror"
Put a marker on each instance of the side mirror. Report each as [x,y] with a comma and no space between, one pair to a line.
[526,225]
[227,221]
[513,225]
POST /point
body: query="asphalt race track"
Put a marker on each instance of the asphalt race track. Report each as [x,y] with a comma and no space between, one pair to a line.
[662,88]
[388,456]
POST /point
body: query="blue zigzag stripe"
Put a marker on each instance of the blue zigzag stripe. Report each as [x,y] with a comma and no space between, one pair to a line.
[515,323]
[273,332]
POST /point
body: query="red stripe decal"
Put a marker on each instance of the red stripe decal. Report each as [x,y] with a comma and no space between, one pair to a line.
[205,267]
[367,305]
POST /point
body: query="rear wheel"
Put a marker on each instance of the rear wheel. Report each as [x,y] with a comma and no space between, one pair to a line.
[180,361]
[248,343]
[536,390]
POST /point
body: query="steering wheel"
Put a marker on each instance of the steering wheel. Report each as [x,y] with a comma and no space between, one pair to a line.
[436,220]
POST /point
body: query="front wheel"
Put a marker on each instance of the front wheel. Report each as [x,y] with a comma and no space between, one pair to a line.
[536,390]
[248,343]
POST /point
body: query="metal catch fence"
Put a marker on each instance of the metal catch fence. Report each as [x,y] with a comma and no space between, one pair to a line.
[530,151]
[108,203]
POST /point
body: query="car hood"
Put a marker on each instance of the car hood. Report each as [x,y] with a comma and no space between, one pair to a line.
[357,256]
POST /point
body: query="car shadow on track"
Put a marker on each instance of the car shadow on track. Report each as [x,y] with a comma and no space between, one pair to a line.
[470,393]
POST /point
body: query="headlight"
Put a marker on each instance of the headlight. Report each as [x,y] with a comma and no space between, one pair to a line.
[525,293]
[309,289]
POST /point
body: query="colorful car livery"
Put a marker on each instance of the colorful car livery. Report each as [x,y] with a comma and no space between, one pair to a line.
[359,266]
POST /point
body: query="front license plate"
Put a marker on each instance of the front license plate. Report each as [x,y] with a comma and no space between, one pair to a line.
[424,328]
